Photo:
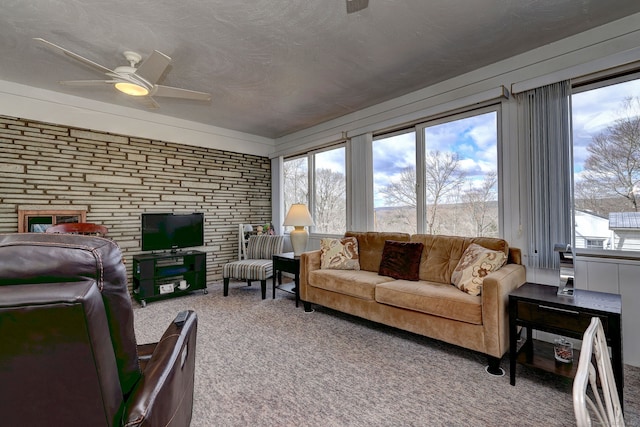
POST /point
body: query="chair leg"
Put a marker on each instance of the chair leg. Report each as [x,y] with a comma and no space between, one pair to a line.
[226,286]
[263,288]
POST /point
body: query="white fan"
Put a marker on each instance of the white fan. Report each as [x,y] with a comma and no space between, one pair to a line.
[135,81]
[356,5]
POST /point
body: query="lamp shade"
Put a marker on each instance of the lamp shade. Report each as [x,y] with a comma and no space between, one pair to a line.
[298,215]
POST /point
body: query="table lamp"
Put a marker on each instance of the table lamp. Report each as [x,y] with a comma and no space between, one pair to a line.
[298,217]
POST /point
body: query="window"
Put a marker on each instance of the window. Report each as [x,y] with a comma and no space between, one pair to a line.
[606,165]
[330,197]
[296,184]
[458,177]
[461,175]
[595,243]
[322,187]
[394,182]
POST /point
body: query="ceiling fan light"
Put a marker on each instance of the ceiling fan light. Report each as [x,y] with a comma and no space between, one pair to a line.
[132,89]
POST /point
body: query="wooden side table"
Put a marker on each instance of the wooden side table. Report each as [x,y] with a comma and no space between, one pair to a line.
[535,306]
[288,263]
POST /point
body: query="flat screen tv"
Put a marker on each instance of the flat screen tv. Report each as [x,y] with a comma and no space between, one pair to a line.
[167,231]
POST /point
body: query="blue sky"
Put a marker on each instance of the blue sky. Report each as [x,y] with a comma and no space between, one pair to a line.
[593,111]
[474,138]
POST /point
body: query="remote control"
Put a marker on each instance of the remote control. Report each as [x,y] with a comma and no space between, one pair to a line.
[181,318]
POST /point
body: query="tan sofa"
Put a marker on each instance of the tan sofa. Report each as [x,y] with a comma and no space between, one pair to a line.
[432,306]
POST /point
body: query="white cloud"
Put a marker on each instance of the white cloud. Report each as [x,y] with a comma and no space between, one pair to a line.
[332,159]
[484,133]
[593,111]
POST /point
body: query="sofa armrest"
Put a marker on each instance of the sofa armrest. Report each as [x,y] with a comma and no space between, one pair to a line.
[309,261]
[164,394]
[496,288]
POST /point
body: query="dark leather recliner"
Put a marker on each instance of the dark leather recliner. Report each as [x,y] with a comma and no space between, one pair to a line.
[68,352]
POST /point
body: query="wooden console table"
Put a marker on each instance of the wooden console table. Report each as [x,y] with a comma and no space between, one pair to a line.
[535,306]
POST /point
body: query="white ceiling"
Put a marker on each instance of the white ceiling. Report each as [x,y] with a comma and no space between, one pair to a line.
[274,67]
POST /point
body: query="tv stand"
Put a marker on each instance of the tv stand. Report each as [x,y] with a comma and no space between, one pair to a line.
[158,275]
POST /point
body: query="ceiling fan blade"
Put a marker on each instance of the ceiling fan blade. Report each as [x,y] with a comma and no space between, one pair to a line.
[356,5]
[147,101]
[152,68]
[176,92]
[86,82]
[75,56]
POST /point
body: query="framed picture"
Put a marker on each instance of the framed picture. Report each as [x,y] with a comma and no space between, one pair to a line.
[38,220]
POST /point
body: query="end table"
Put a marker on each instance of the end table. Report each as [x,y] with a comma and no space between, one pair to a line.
[288,263]
[535,306]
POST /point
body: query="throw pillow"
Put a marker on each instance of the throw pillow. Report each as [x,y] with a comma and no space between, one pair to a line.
[339,254]
[475,264]
[401,260]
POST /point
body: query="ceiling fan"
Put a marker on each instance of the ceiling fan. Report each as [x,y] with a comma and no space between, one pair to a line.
[356,5]
[133,79]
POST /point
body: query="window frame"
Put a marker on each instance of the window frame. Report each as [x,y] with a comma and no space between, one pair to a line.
[420,151]
[584,84]
[311,182]
[387,135]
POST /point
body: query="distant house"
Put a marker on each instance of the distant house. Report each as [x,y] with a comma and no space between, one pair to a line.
[626,230]
[592,231]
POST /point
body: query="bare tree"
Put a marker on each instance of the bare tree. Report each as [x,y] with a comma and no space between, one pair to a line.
[330,202]
[613,165]
[443,175]
[402,192]
[399,219]
[591,197]
[478,201]
[296,188]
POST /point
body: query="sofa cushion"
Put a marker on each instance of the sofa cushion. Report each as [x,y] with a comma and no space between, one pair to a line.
[371,244]
[475,264]
[442,254]
[360,284]
[339,254]
[438,299]
[401,260]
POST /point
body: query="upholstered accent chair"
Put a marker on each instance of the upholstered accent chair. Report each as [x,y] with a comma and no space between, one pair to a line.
[69,355]
[258,264]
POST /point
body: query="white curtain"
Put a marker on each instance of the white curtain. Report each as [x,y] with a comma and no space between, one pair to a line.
[544,123]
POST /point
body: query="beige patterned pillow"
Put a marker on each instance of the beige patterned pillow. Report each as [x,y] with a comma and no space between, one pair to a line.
[475,264]
[339,254]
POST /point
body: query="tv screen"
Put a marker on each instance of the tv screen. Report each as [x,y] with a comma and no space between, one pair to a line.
[162,231]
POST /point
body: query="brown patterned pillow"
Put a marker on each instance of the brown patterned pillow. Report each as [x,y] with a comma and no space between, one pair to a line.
[339,254]
[475,264]
[401,260]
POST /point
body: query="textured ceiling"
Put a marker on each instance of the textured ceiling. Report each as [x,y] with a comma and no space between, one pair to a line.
[277,66]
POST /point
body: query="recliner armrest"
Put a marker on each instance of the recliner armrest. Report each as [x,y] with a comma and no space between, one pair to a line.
[164,394]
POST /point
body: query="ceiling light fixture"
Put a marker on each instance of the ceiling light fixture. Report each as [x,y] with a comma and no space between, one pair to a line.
[132,89]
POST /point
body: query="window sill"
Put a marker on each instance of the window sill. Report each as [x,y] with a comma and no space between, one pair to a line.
[607,254]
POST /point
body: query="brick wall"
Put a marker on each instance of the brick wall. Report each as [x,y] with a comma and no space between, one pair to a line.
[117,177]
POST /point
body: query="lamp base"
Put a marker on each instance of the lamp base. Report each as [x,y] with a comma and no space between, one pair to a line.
[299,239]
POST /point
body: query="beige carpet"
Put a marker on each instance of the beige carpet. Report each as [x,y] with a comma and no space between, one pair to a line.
[267,363]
